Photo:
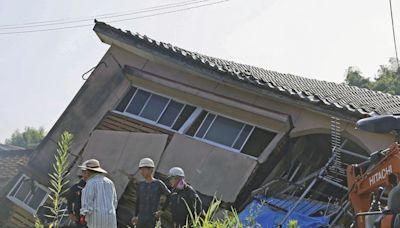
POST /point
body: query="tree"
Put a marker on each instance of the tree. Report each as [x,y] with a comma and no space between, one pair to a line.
[29,138]
[387,79]
[354,77]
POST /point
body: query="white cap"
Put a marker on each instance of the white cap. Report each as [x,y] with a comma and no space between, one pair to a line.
[146,162]
[176,172]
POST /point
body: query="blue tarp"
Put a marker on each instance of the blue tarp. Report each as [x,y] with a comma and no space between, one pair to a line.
[269,217]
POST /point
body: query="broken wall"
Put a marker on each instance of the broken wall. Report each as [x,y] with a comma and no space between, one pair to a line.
[210,169]
[120,152]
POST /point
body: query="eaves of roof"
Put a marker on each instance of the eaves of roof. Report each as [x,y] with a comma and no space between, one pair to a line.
[348,102]
[7,147]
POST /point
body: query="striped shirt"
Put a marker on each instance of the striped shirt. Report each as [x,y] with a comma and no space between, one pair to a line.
[99,202]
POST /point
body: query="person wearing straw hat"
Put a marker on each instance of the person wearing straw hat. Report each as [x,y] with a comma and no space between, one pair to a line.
[148,195]
[99,199]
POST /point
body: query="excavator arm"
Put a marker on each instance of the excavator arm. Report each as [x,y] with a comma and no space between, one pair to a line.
[362,181]
[381,170]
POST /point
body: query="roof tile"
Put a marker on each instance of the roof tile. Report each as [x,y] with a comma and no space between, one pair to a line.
[356,100]
[10,160]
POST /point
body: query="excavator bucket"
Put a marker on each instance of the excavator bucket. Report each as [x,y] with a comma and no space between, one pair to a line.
[380,124]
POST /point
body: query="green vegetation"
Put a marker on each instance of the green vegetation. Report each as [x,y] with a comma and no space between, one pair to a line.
[29,138]
[387,79]
[209,220]
[254,212]
[293,224]
[58,181]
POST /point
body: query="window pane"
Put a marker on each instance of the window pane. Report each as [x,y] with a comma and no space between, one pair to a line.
[137,102]
[205,125]
[186,113]
[37,198]
[154,107]
[243,136]
[65,219]
[196,123]
[24,190]
[124,102]
[257,142]
[171,113]
[224,131]
[17,186]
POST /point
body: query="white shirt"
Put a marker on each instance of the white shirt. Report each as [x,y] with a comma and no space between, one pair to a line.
[99,202]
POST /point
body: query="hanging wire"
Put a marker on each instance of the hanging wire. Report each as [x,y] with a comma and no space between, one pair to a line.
[173,10]
[101,16]
[394,35]
[92,69]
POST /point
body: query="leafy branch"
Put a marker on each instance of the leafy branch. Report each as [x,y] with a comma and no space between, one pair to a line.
[58,181]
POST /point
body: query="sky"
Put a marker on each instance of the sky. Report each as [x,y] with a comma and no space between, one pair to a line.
[41,72]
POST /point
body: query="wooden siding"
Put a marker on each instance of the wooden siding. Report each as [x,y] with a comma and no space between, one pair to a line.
[118,122]
[18,217]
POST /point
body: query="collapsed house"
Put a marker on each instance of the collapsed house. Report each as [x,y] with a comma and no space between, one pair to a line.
[233,128]
[12,158]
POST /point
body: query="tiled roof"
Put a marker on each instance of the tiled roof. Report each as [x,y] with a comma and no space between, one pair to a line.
[10,161]
[329,95]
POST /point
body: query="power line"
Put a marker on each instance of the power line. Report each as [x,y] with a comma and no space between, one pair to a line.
[119,20]
[173,11]
[394,35]
[66,19]
[101,16]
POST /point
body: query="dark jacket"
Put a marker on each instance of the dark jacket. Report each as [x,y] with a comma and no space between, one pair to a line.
[179,208]
[148,198]
[74,198]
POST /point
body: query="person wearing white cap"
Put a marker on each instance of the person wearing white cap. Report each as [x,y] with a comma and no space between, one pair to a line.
[148,195]
[182,199]
[99,199]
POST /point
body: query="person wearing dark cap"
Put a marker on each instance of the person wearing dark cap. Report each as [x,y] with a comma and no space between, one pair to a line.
[99,198]
[74,201]
[182,199]
[148,195]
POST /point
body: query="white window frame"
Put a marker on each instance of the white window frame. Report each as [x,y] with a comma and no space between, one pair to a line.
[189,122]
[23,204]
[64,219]
[203,139]
[185,127]
[155,123]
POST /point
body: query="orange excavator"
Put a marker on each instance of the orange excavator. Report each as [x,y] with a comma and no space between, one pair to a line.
[369,180]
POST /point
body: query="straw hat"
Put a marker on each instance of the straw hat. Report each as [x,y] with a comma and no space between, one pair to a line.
[93,165]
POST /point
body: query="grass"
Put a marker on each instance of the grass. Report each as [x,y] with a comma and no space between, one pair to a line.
[207,219]
[293,224]
[58,181]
